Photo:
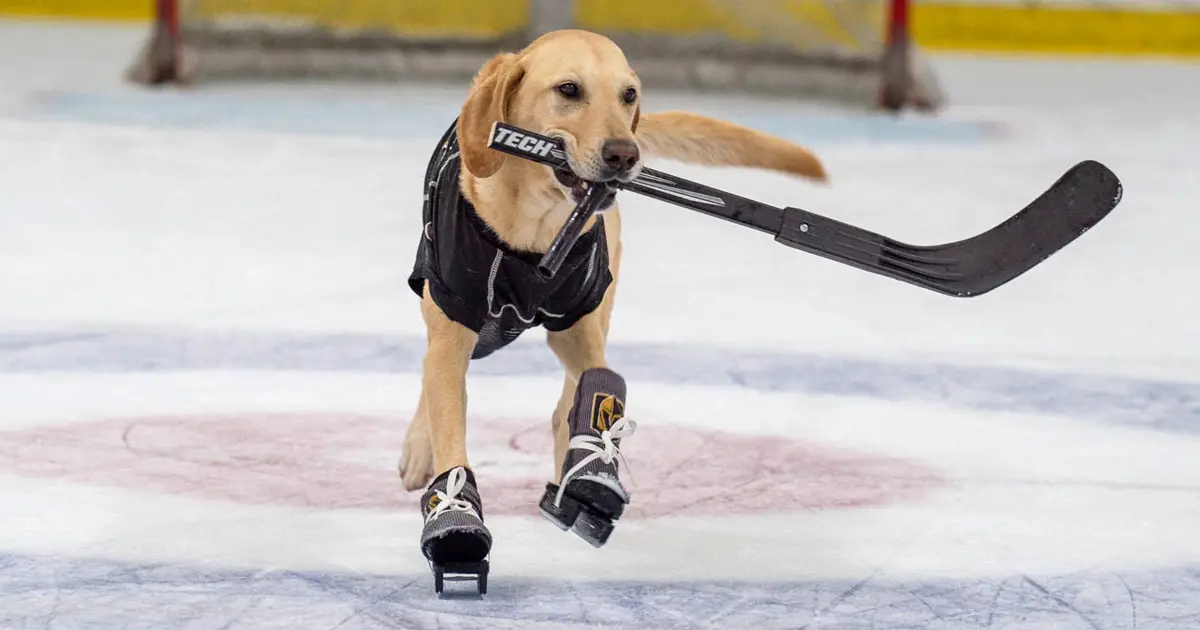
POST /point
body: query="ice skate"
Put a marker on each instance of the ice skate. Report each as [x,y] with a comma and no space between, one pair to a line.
[590,496]
[455,540]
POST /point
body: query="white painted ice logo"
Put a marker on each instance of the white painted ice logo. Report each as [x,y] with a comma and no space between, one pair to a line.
[518,140]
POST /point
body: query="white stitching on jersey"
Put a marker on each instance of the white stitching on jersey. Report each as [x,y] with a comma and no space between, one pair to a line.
[491,295]
[438,178]
[591,264]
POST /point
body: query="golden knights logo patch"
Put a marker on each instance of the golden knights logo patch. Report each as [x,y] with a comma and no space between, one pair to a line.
[434,501]
[606,410]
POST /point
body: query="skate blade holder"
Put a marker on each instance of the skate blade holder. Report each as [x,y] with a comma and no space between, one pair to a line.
[590,525]
[460,572]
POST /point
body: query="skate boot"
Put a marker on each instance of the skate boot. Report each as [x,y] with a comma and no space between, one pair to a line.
[590,497]
[455,541]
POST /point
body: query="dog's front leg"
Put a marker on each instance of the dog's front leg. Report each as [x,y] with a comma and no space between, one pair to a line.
[454,537]
[579,348]
[444,385]
[589,425]
[416,462]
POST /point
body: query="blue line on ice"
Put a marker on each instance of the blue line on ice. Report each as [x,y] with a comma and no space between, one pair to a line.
[1159,405]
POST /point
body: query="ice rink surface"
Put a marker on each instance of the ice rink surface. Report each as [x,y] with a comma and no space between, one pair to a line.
[208,356]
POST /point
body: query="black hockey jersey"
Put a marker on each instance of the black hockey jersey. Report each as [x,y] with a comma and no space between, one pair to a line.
[484,284]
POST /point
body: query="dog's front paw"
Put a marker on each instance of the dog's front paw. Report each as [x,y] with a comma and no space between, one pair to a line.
[416,464]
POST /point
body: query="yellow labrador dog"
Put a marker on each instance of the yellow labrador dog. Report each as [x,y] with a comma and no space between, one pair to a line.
[488,217]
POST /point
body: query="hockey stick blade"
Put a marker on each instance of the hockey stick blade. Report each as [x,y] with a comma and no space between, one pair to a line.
[1083,196]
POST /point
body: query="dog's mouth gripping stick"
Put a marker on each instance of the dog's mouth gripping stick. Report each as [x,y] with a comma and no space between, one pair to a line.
[1078,200]
[549,151]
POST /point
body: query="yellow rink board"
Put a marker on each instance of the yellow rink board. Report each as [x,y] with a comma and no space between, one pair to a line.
[1104,28]
[1110,30]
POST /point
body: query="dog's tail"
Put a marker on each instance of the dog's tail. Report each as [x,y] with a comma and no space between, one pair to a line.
[695,139]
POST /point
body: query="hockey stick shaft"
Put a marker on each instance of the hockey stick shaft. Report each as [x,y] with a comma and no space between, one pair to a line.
[649,182]
[1083,196]
[570,232]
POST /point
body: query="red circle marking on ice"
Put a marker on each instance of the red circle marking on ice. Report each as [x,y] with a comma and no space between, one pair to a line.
[331,461]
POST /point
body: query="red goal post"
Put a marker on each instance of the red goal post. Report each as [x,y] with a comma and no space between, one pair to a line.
[848,51]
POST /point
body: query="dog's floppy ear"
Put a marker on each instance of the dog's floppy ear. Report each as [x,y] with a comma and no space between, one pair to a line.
[637,112]
[487,103]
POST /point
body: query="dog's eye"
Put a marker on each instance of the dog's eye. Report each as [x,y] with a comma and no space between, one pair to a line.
[568,89]
[630,95]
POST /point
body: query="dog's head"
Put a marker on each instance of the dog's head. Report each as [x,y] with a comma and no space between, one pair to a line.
[573,85]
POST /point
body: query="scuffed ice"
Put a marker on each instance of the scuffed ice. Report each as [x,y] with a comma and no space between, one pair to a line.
[60,593]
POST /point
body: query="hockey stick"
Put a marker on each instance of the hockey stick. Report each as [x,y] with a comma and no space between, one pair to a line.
[1080,198]
[571,230]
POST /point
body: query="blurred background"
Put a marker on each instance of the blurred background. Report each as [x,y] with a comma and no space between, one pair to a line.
[764,40]
[860,56]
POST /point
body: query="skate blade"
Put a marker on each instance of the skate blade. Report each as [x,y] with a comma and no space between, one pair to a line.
[460,572]
[593,527]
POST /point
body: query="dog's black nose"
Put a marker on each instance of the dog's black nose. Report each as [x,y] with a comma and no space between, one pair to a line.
[619,155]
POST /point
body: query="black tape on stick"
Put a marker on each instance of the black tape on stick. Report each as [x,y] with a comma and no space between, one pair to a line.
[553,259]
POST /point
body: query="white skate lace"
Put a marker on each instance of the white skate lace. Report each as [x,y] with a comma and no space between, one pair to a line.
[449,500]
[603,448]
